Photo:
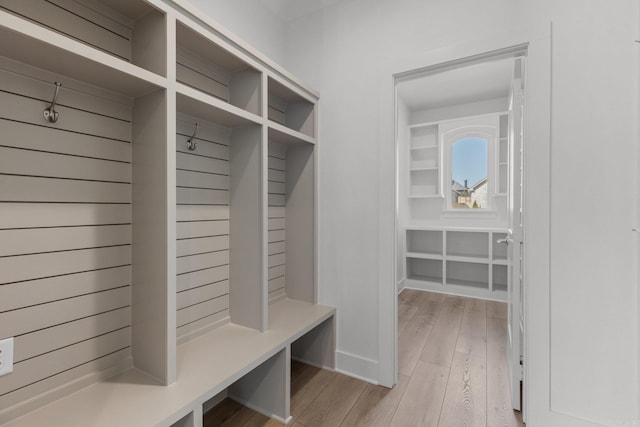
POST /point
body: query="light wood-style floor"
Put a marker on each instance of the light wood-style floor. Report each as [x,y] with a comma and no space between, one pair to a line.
[452,373]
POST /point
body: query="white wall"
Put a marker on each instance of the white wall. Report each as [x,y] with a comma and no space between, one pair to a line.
[497,105]
[252,21]
[592,312]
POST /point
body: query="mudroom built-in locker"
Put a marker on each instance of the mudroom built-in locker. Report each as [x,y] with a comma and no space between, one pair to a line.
[157,220]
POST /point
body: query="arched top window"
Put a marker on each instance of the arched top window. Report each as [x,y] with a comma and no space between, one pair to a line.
[469,172]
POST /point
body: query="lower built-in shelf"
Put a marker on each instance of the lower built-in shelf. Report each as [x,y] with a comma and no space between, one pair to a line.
[252,366]
[466,262]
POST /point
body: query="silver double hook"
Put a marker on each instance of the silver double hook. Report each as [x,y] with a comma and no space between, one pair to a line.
[50,114]
[191,144]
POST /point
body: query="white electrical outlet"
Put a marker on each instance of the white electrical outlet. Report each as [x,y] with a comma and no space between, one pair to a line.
[6,356]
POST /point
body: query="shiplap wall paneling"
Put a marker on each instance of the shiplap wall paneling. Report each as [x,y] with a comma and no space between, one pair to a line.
[65,232]
[292,218]
[208,67]
[277,196]
[202,180]
[290,109]
[127,30]
[244,198]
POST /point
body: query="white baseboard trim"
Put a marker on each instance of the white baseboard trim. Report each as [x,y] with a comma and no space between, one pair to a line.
[400,285]
[358,367]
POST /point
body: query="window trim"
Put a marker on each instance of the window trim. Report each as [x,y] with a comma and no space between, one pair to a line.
[485,127]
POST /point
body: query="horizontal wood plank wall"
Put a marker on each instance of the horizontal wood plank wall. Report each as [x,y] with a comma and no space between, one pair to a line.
[202,74]
[87,23]
[277,109]
[277,221]
[65,230]
[202,178]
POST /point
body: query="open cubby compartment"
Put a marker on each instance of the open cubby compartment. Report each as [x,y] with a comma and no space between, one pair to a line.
[291,220]
[133,31]
[424,136]
[424,182]
[500,278]
[427,242]
[473,244]
[503,155]
[266,388]
[499,249]
[290,109]
[74,195]
[425,158]
[468,274]
[318,346]
[207,66]
[428,270]
[219,219]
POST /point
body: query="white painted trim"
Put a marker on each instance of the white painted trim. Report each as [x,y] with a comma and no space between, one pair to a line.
[477,116]
[358,367]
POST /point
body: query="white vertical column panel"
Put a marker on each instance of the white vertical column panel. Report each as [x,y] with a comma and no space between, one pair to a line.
[152,247]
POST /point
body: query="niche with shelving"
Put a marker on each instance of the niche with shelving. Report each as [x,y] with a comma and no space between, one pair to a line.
[503,156]
[500,277]
[425,242]
[468,274]
[208,67]
[291,230]
[467,244]
[133,31]
[465,262]
[424,162]
[427,270]
[289,109]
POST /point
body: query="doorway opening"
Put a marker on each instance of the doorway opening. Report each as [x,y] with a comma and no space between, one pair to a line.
[459,202]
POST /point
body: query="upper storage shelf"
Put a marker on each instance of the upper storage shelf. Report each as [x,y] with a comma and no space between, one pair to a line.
[129,30]
[290,109]
[209,68]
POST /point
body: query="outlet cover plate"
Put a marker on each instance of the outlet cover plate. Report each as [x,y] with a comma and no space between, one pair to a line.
[6,356]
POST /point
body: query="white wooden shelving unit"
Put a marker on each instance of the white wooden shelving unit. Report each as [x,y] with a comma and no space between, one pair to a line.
[503,157]
[425,174]
[458,261]
[142,278]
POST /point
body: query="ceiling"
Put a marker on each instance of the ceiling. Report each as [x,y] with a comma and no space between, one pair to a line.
[477,82]
[289,10]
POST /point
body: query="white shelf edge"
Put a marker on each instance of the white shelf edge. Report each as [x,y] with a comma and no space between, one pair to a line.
[419,227]
[421,255]
[217,104]
[290,132]
[434,168]
[424,147]
[426,196]
[469,259]
[44,36]
[502,262]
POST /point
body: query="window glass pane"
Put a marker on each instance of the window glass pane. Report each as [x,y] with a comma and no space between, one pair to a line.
[469,164]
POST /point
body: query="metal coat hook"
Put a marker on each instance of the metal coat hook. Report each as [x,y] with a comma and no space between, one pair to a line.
[50,114]
[191,144]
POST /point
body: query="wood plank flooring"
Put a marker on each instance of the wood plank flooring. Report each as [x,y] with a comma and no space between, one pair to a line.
[452,373]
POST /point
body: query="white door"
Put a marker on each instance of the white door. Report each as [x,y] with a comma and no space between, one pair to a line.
[515,325]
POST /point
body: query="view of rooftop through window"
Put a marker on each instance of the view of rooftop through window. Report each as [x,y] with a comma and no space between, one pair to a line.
[469,164]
